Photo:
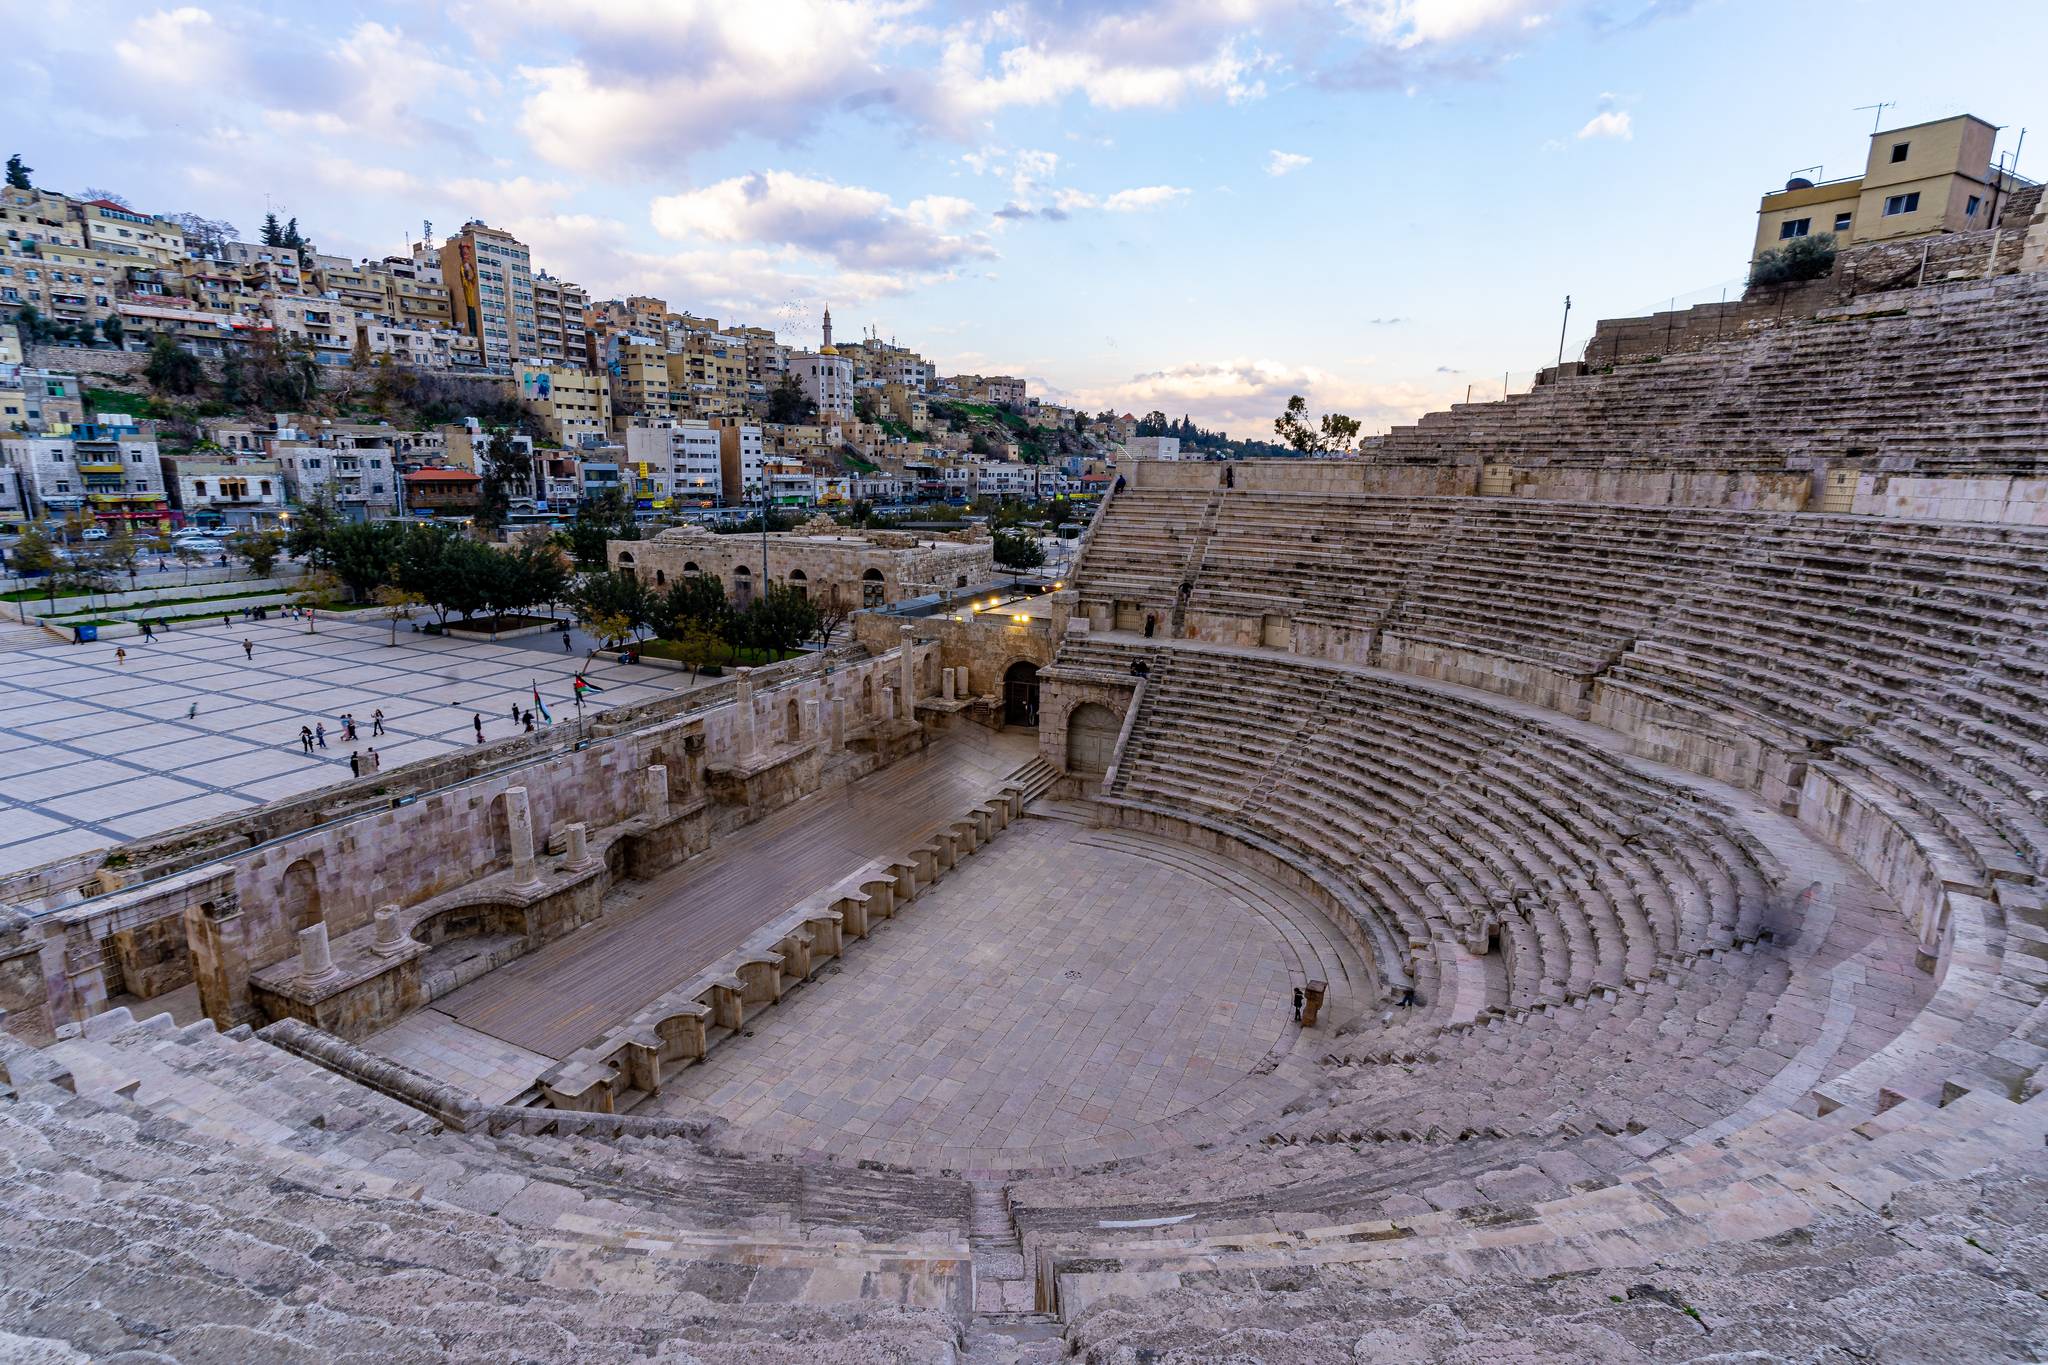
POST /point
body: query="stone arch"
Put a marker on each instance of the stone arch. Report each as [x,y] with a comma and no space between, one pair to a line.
[793,720]
[660,578]
[799,582]
[867,695]
[742,585]
[690,568]
[872,589]
[1092,729]
[1020,694]
[625,559]
[299,894]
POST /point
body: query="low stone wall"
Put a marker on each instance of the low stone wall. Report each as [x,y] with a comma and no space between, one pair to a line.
[2011,502]
[1310,476]
[1653,487]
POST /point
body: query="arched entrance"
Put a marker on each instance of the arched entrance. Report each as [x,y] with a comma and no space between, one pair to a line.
[742,585]
[301,897]
[1020,694]
[1091,738]
[872,589]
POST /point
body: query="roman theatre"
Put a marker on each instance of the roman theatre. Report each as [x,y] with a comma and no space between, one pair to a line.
[1565,883]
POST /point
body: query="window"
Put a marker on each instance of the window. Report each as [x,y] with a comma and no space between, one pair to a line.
[1970,209]
[1902,203]
[1794,227]
[1842,222]
[1899,151]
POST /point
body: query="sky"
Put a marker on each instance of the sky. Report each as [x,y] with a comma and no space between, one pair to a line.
[1201,206]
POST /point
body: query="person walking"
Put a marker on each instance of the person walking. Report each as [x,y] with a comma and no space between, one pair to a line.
[226,623]
[515,713]
[478,721]
[376,723]
[320,733]
[163,623]
[355,765]
[143,626]
[248,650]
[565,642]
[529,722]
[192,711]
[120,655]
[306,739]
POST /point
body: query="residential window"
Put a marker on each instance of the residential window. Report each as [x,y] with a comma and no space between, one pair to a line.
[1970,210]
[63,487]
[1899,151]
[1842,222]
[1897,204]
[1794,227]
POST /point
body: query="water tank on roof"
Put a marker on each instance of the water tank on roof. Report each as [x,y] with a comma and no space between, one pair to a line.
[1798,182]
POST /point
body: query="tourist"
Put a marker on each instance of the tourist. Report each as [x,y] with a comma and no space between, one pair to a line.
[163,623]
[529,722]
[146,633]
[306,738]
[565,640]
[376,723]
[120,655]
[1151,623]
[348,727]
[226,624]
[320,733]
[478,721]
[192,711]
[515,713]
[248,650]
[355,764]
[375,761]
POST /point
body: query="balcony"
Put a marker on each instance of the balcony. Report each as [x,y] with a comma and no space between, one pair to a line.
[92,466]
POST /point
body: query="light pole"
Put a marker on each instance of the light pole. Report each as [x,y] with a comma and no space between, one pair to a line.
[1560,330]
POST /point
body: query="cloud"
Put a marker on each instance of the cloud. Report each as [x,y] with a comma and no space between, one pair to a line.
[1417,23]
[1280,163]
[854,227]
[1144,197]
[1385,322]
[1244,395]
[653,82]
[1614,123]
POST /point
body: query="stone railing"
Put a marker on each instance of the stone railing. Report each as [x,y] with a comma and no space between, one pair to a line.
[627,1063]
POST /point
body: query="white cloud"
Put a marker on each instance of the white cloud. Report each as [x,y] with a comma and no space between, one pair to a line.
[855,227]
[180,46]
[1144,197]
[1280,163]
[1613,123]
[1244,395]
[1418,23]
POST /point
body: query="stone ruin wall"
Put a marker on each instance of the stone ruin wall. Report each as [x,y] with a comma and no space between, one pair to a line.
[63,964]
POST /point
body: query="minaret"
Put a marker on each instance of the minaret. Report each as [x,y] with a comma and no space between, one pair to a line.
[828,327]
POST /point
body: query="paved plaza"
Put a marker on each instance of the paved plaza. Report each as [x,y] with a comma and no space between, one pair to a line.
[94,752]
[1055,994]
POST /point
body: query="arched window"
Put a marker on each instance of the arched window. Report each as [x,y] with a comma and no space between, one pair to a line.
[660,579]
[867,695]
[301,896]
[793,722]
[690,567]
[798,582]
[871,588]
[625,559]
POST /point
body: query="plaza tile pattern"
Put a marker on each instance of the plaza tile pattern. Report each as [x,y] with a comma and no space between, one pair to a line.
[1051,993]
[94,752]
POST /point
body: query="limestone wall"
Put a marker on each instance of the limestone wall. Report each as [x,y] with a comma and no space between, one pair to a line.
[2014,502]
[1787,492]
[831,565]
[1309,476]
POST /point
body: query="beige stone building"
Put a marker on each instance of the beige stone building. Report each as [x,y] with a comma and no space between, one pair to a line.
[1925,178]
[821,559]
[573,403]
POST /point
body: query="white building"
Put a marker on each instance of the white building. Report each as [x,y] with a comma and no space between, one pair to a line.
[108,473]
[742,459]
[1153,447]
[687,451]
[226,491]
[827,379]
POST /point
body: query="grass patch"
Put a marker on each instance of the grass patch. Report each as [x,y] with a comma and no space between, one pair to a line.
[746,657]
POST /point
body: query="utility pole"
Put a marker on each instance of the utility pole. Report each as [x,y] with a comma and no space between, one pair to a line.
[1560,330]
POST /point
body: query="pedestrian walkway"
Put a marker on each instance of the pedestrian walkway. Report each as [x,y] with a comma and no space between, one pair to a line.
[93,752]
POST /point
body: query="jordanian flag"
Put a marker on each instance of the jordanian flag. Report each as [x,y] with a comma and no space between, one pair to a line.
[582,686]
[540,705]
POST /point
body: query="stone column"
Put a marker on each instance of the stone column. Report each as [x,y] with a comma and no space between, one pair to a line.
[744,715]
[390,940]
[908,650]
[657,793]
[519,821]
[946,674]
[811,727]
[579,845]
[316,958]
[888,707]
[837,723]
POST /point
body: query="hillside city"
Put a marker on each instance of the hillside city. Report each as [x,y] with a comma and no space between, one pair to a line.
[226,382]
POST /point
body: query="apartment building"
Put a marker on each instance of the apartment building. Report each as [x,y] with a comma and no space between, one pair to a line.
[38,400]
[115,227]
[323,325]
[110,473]
[682,453]
[490,280]
[742,458]
[827,380]
[558,309]
[39,216]
[1153,447]
[1923,178]
[574,404]
[353,465]
[420,346]
[227,491]
[640,378]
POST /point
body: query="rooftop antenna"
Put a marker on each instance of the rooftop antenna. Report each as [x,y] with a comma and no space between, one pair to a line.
[1877,112]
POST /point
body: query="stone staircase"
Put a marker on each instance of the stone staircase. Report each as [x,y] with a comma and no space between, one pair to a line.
[1008,1323]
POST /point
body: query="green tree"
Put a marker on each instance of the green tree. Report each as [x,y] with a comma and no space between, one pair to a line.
[699,645]
[290,237]
[112,329]
[33,325]
[272,234]
[789,404]
[311,525]
[508,473]
[545,570]
[32,552]
[118,551]
[171,368]
[18,174]
[315,593]
[1017,550]
[780,619]
[360,555]
[606,517]
[234,384]
[257,549]
[698,599]
[187,558]
[395,604]
[1333,433]
[614,597]
[467,580]
[1801,259]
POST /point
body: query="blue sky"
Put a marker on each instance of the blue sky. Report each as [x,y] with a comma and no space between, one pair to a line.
[1197,205]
